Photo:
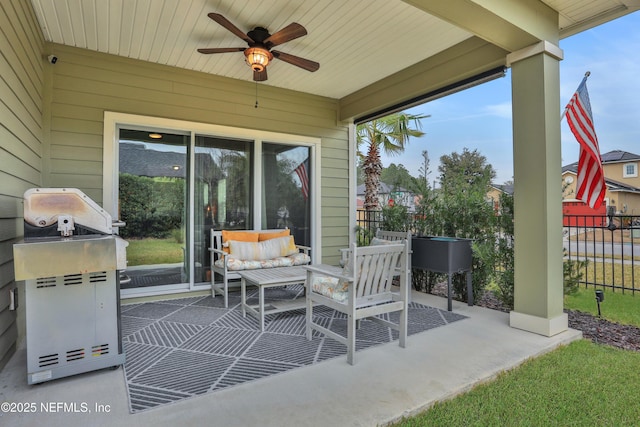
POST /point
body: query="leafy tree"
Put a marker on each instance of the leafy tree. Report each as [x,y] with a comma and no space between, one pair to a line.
[424,169]
[426,199]
[467,170]
[460,209]
[397,176]
[389,134]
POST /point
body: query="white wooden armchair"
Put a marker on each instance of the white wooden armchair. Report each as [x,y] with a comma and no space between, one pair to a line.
[385,237]
[362,289]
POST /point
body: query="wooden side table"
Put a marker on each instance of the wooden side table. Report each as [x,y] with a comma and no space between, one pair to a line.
[268,278]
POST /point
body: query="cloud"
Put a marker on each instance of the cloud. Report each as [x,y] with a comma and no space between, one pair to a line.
[502,110]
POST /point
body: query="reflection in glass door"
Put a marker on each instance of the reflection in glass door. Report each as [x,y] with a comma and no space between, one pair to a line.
[222,196]
[152,202]
[286,182]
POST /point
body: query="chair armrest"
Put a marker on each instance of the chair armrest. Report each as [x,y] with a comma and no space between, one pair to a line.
[218,251]
[326,270]
[224,256]
[221,254]
[305,249]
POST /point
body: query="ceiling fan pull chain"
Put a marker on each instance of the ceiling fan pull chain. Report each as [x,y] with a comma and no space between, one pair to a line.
[256,106]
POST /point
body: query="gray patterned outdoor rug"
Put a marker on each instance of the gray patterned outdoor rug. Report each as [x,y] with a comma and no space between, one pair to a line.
[182,348]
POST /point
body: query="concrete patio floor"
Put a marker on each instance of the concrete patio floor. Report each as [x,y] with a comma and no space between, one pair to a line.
[386,383]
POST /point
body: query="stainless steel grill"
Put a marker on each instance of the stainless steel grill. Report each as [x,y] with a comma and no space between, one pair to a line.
[69,261]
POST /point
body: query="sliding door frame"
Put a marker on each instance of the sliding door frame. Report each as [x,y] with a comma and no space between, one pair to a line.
[114,121]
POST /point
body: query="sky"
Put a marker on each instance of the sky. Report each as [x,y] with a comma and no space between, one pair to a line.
[480,118]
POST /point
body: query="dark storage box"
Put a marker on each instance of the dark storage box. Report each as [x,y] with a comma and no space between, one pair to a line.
[441,254]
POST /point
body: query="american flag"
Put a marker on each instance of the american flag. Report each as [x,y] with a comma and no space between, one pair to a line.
[591,186]
[303,173]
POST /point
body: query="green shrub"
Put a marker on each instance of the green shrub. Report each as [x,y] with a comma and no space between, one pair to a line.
[150,207]
[573,272]
[464,213]
[395,218]
[363,236]
[178,235]
[503,275]
[483,262]
[424,281]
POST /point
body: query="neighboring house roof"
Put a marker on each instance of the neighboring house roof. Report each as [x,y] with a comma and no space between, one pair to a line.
[505,188]
[615,156]
[137,159]
[619,186]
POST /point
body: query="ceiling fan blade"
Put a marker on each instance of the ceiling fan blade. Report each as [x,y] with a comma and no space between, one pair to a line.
[229,26]
[260,76]
[288,33]
[296,60]
[222,49]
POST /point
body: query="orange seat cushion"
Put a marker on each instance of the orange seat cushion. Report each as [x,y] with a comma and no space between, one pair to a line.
[238,235]
[274,235]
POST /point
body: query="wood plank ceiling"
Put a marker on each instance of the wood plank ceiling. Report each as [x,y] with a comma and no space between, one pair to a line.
[357,42]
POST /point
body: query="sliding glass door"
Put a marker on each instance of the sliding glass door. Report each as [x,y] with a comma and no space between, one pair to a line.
[222,193]
[152,201]
[173,187]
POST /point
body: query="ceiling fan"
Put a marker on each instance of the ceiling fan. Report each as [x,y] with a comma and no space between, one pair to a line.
[259,53]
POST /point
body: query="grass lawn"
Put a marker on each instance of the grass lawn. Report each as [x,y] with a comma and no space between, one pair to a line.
[616,274]
[153,251]
[581,384]
[616,307]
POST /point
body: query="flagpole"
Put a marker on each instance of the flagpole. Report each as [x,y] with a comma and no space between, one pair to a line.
[587,74]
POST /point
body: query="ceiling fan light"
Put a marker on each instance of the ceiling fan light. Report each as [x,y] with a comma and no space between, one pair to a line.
[257,58]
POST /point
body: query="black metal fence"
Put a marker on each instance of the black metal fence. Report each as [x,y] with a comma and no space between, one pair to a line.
[368,222]
[610,245]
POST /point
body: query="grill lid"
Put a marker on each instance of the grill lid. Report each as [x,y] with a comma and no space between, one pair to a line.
[60,211]
[66,233]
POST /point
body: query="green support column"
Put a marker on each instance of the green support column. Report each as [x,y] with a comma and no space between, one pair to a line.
[538,294]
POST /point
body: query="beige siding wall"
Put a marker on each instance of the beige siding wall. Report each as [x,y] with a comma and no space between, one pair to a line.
[21,135]
[626,203]
[85,84]
[615,171]
[568,189]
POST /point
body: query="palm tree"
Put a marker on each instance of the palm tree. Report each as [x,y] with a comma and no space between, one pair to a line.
[391,134]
